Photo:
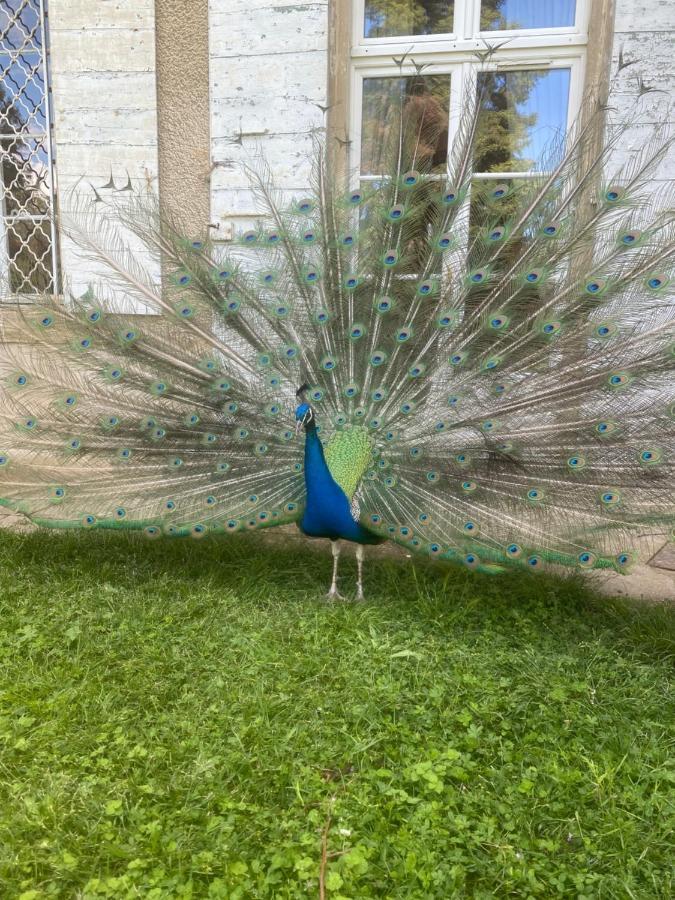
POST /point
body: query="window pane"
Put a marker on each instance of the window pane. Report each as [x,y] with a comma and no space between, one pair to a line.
[521,112]
[26,190]
[501,15]
[425,101]
[385,18]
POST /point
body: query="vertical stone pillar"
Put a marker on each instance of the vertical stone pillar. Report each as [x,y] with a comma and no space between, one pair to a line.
[182,61]
[339,47]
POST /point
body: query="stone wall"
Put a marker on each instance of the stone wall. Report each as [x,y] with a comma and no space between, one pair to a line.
[644,34]
[268,62]
[105,107]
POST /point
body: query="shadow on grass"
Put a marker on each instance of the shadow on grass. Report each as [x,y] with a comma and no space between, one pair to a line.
[271,573]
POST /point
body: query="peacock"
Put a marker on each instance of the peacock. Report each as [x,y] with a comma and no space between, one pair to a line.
[478,370]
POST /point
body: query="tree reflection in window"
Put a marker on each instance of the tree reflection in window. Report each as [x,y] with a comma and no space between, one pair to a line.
[422,103]
[390,18]
[424,100]
[521,112]
[522,116]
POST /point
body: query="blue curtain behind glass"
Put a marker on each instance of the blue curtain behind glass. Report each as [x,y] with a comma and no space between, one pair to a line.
[529,13]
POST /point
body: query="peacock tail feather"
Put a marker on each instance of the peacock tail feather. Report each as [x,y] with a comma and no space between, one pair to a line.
[490,363]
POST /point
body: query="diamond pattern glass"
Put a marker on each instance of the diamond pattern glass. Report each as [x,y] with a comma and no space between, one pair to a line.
[27,225]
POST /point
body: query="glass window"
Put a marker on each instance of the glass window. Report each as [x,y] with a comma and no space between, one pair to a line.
[426,103]
[27,253]
[387,18]
[526,91]
[521,112]
[503,15]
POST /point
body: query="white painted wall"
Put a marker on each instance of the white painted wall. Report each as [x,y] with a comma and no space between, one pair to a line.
[645,31]
[268,66]
[105,110]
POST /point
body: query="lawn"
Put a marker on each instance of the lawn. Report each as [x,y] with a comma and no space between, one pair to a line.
[192,719]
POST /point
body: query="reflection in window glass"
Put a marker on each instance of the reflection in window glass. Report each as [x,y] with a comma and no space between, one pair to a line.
[27,253]
[385,18]
[521,113]
[501,15]
[425,102]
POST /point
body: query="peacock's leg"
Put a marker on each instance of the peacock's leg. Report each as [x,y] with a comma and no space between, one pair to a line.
[360,553]
[333,592]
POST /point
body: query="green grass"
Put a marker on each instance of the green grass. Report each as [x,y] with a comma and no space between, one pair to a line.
[192,720]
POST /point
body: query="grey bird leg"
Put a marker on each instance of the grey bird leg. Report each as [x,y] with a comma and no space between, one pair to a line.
[360,553]
[333,592]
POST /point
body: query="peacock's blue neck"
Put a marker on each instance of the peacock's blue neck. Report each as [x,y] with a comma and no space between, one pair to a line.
[319,483]
[314,456]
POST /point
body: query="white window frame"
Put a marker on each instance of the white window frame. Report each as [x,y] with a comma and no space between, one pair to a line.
[454,55]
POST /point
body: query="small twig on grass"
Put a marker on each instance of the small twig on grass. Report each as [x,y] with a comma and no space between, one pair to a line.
[324,852]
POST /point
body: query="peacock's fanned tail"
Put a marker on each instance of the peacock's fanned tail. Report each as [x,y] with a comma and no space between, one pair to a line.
[508,348]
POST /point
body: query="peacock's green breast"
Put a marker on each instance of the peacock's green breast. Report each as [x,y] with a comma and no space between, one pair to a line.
[348,455]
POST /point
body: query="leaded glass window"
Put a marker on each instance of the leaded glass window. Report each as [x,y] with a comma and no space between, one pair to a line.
[27,213]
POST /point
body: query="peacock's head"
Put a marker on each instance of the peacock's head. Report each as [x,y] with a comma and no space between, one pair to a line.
[304,414]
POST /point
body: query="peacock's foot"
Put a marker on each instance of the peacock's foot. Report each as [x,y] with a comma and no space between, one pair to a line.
[334,595]
[359,594]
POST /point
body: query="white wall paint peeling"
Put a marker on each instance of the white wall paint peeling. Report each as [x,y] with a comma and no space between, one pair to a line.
[268,67]
[644,34]
[105,111]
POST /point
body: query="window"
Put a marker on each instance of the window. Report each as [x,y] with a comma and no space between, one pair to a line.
[531,87]
[27,214]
